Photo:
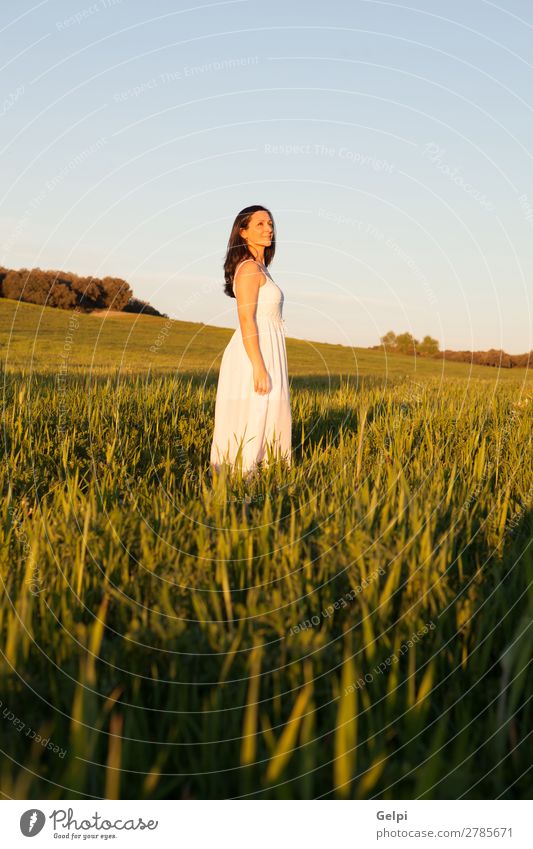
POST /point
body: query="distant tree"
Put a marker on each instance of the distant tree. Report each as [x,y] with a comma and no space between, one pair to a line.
[65,290]
[493,357]
[115,293]
[523,360]
[389,340]
[38,287]
[428,346]
[88,291]
[23,285]
[406,344]
[12,285]
[61,296]
[135,305]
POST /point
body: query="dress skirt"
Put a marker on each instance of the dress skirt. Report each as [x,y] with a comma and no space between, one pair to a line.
[252,428]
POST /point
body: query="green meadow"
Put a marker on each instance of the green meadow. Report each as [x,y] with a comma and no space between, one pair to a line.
[357,626]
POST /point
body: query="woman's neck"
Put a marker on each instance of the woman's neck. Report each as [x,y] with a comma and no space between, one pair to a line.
[258,256]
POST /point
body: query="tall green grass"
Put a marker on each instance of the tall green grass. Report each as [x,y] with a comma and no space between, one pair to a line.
[187,637]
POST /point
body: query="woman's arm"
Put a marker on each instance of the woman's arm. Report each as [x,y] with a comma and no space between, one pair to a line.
[246,286]
[246,289]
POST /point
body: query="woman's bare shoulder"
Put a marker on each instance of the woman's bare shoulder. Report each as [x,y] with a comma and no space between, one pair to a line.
[252,267]
[247,279]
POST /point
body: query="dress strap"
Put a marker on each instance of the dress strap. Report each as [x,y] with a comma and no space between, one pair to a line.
[241,262]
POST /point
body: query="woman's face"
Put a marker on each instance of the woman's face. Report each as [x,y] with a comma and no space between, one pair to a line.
[260,230]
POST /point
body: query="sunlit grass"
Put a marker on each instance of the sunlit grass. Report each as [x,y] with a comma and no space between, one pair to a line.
[187,637]
[33,337]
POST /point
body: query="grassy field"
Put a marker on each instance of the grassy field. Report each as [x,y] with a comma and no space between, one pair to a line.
[358,626]
[54,340]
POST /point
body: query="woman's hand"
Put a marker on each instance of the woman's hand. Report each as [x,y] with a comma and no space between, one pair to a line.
[261,380]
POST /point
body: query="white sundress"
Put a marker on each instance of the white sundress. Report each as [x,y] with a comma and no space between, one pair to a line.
[244,418]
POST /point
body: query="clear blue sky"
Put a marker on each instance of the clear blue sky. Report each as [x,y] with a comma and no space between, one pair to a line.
[391,142]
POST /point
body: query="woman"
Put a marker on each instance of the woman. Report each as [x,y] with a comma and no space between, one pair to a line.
[252,411]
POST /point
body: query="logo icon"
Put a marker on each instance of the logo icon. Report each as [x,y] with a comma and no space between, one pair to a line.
[32,822]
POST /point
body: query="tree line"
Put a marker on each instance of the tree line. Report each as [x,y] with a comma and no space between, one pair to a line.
[405,343]
[66,290]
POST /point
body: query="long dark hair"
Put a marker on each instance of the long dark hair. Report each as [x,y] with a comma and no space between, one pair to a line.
[238,249]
